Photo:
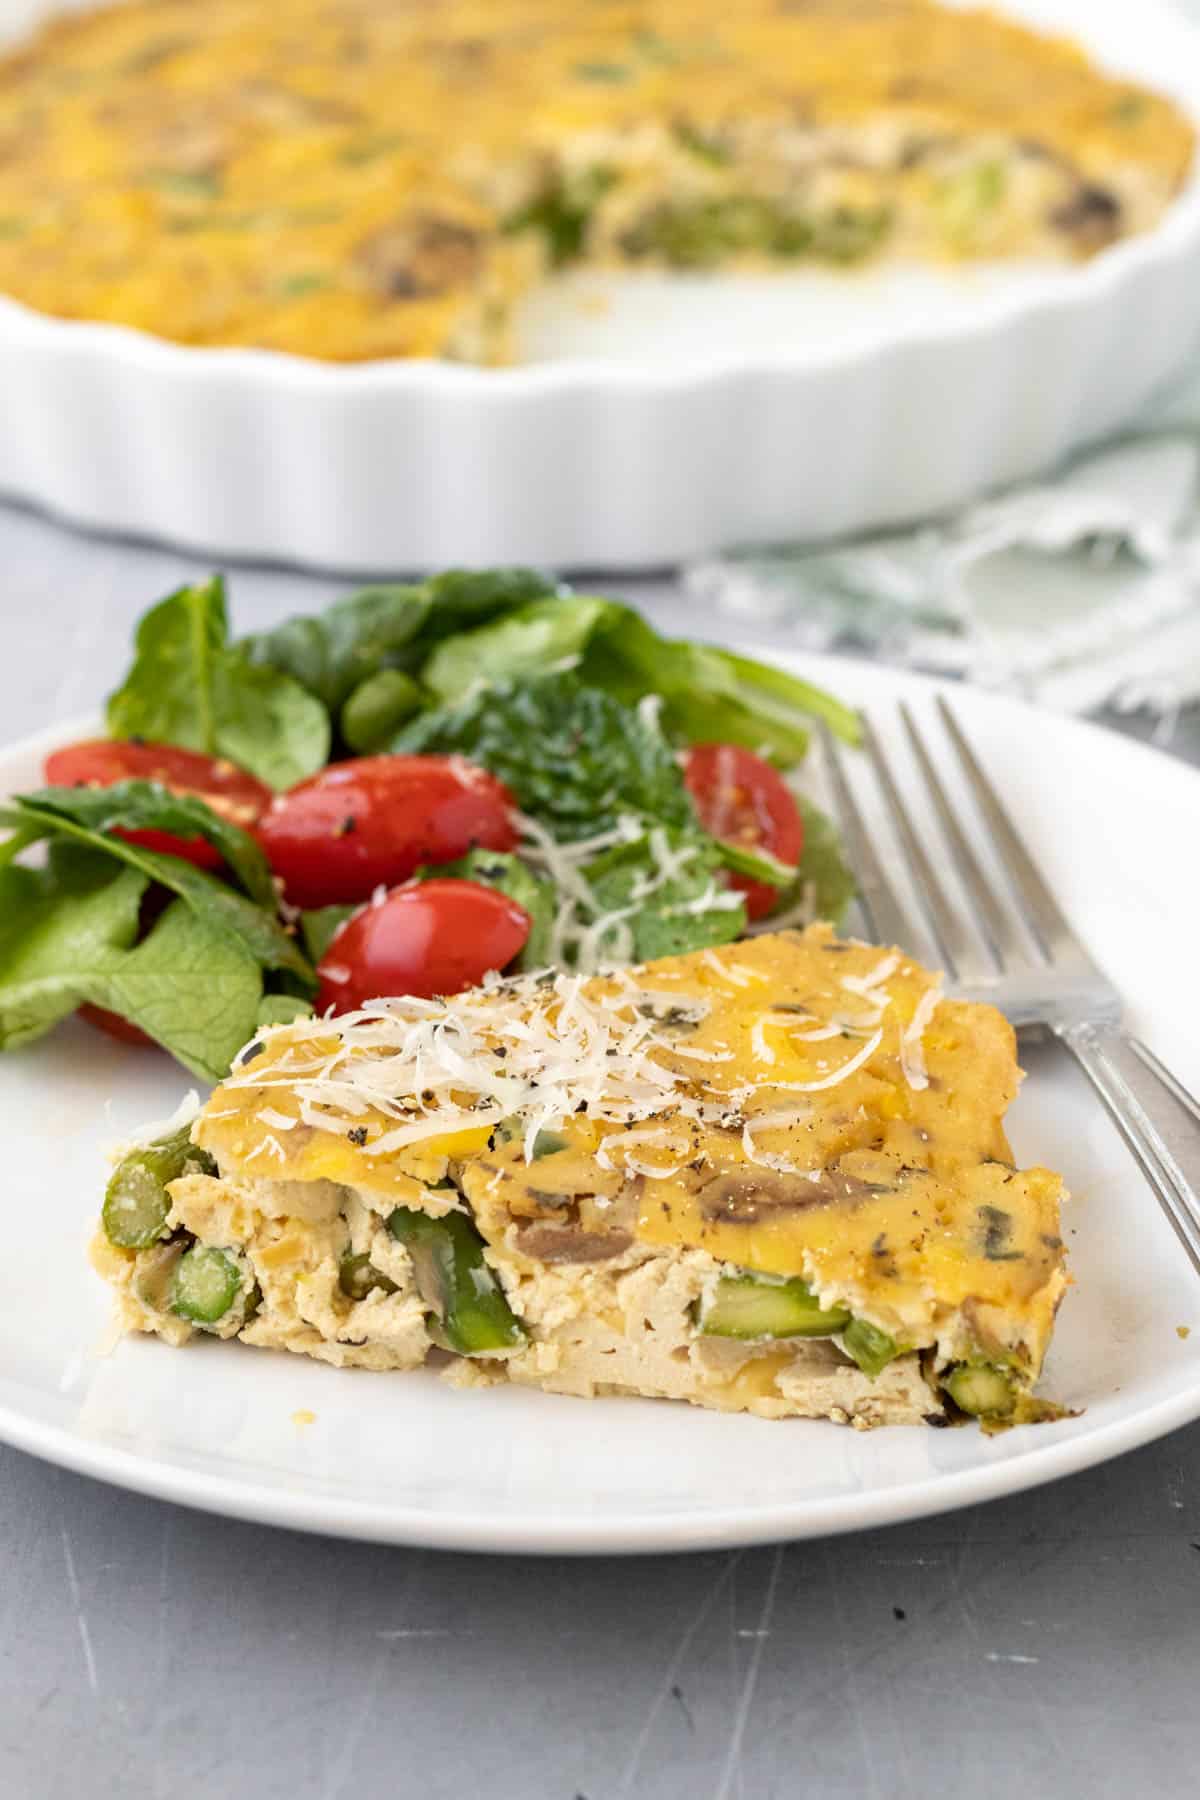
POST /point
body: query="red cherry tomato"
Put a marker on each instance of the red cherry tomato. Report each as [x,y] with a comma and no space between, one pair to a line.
[369,823]
[230,791]
[432,937]
[114,1026]
[742,800]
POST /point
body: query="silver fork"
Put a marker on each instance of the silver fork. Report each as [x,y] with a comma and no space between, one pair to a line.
[1051,981]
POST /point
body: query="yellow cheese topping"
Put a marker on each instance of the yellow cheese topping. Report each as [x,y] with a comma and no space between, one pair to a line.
[793,1104]
[346,180]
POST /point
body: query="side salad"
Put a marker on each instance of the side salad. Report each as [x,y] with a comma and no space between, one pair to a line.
[422,783]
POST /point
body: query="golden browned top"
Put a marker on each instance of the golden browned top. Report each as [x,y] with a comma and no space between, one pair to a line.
[352,179]
[793,1104]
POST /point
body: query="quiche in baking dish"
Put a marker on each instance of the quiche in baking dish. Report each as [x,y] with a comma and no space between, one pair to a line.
[347,180]
[770,1179]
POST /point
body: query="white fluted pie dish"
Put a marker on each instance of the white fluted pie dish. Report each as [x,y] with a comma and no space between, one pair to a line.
[658,418]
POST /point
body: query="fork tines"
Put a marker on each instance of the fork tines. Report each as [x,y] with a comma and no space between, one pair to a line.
[979,940]
[1035,970]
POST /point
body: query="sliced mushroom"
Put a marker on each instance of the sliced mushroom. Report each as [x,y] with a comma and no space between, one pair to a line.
[747,1196]
[1090,216]
[420,257]
[571,1243]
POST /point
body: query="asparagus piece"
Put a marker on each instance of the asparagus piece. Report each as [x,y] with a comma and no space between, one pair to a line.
[358,1277]
[981,1389]
[136,1202]
[871,1348]
[763,1306]
[455,1280]
[205,1285]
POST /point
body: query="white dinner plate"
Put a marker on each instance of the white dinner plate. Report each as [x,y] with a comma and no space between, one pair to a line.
[405,1459]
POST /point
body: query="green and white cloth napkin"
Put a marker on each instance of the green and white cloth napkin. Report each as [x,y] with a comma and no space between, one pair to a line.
[1080,590]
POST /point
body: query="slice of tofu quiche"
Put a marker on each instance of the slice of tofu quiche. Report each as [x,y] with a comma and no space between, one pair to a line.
[771,1179]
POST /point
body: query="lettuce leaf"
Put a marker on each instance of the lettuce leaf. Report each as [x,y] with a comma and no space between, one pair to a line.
[148,806]
[189,686]
[217,905]
[332,653]
[68,934]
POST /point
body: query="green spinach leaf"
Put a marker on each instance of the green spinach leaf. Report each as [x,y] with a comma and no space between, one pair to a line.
[58,924]
[572,756]
[282,1009]
[377,709]
[190,986]
[68,934]
[460,599]
[188,686]
[707,694]
[703,698]
[776,690]
[332,653]
[148,806]
[167,695]
[823,864]
[546,634]
[256,929]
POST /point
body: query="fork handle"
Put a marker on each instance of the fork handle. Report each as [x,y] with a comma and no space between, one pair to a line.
[1155,1114]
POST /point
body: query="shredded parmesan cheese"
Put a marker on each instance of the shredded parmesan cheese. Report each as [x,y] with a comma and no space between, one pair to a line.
[280,1121]
[735,977]
[535,1050]
[640,1168]
[271,1144]
[912,1048]
[844,1070]
[583,936]
[769,1159]
[866,984]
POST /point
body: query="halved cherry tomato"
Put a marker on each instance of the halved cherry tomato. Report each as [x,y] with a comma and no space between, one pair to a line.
[432,937]
[369,823]
[742,800]
[230,791]
[114,1026]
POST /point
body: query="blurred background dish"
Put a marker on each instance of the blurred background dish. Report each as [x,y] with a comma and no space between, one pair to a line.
[656,413]
[351,183]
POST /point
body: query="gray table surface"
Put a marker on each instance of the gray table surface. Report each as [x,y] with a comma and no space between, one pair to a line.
[1047,1645]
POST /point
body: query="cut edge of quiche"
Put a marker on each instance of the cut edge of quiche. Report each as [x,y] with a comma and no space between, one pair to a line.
[770,1179]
